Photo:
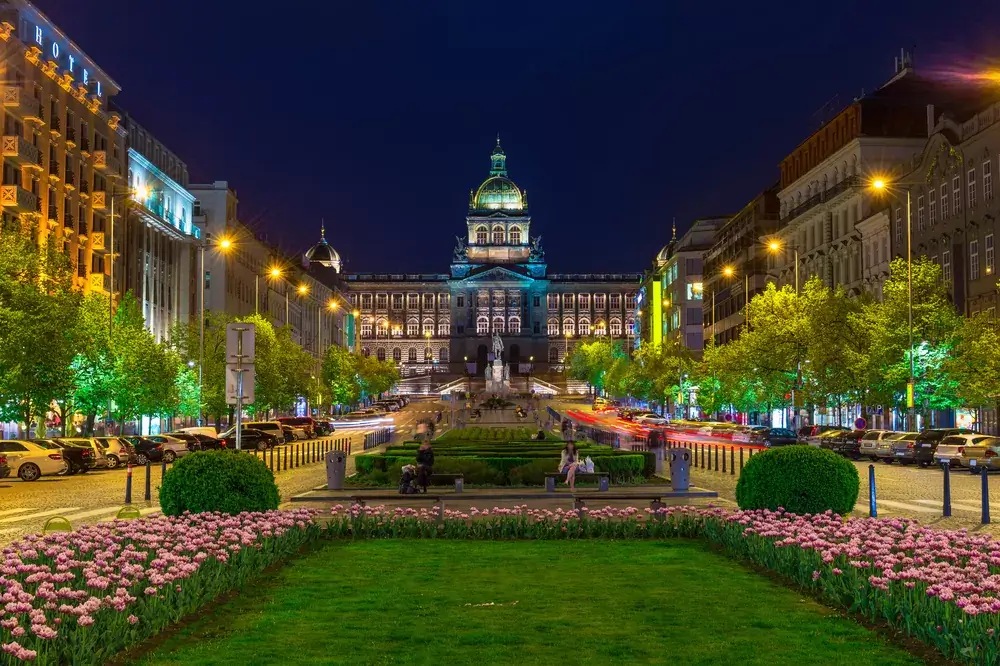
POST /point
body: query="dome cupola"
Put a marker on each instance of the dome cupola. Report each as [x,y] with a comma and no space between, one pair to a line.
[322,253]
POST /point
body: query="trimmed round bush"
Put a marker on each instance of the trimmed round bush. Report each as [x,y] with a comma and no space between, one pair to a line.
[218,481]
[800,479]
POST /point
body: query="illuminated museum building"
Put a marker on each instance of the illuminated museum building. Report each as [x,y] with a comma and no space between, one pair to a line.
[498,282]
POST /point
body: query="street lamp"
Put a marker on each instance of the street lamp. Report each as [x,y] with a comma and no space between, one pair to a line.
[775,247]
[729,272]
[273,273]
[224,245]
[881,185]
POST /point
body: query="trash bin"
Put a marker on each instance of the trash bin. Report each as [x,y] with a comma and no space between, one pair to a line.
[336,469]
[680,467]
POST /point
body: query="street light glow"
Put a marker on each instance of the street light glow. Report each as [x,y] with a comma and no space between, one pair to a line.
[878,184]
[303,289]
[728,271]
[355,313]
[774,246]
[225,244]
[333,305]
[275,272]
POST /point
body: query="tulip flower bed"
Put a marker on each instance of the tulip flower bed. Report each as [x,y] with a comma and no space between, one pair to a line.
[80,597]
[941,587]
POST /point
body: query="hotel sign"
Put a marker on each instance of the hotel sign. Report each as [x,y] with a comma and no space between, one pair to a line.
[65,58]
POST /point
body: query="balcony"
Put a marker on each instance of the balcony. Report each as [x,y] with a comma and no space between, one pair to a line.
[83,231]
[70,137]
[97,240]
[85,146]
[53,170]
[817,199]
[69,222]
[55,126]
[84,188]
[100,158]
[99,199]
[99,282]
[53,215]
[70,180]
[22,151]
[18,199]
[21,104]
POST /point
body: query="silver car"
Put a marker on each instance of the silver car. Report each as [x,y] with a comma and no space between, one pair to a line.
[984,453]
[951,449]
[117,450]
[875,443]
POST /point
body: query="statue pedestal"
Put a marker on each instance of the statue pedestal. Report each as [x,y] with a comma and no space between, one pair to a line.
[497,381]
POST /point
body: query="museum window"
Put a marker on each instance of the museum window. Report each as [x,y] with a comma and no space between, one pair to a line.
[567,301]
[536,301]
[569,326]
[515,235]
[482,235]
[616,301]
[553,302]
[443,300]
[366,352]
[584,327]
[366,301]
[412,301]
[397,301]
[616,327]
[397,354]
[498,236]
[482,326]
[366,329]
[428,301]
[553,327]
[600,328]
[443,354]
[428,327]
[428,355]
[380,354]
[381,301]
[583,301]
[460,301]
[630,301]
[411,355]
[514,326]
[444,329]
[599,301]
[413,328]
[498,324]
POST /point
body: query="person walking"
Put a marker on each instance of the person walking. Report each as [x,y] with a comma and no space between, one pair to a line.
[425,464]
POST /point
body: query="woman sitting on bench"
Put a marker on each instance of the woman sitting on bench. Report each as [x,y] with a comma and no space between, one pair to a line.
[568,462]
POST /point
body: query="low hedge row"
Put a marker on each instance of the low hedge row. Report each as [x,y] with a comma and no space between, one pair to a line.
[485,433]
[384,469]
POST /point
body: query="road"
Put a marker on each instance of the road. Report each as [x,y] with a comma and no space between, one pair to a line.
[100,494]
[911,491]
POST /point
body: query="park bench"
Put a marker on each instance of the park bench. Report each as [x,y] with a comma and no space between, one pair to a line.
[603,480]
[394,497]
[655,499]
[445,479]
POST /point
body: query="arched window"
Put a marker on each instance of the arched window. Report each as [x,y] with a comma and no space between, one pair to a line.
[397,354]
[482,235]
[482,326]
[380,354]
[366,352]
[498,235]
[515,235]
[514,326]
[630,326]
[553,354]
[366,328]
[569,326]
[411,355]
[616,326]
[443,354]
[584,326]
[498,324]
[412,327]
[428,326]
[553,326]
[600,328]
[428,355]
[381,328]
[444,329]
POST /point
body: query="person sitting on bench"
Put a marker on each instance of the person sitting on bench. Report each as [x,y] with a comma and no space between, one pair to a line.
[568,463]
[425,464]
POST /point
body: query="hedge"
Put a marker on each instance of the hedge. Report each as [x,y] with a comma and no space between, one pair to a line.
[799,479]
[218,481]
[485,433]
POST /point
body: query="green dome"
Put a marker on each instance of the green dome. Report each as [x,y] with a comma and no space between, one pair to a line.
[498,193]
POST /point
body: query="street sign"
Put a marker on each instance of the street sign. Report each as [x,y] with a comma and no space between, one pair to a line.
[861,424]
[236,349]
[232,385]
[909,395]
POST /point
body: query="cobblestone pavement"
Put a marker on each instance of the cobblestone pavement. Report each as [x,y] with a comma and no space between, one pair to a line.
[100,494]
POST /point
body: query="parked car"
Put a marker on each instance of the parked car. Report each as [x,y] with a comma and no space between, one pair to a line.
[270,427]
[145,449]
[825,439]
[873,441]
[305,423]
[209,431]
[984,453]
[99,459]
[771,437]
[117,450]
[4,467]
[79,458]
[293,434]
[388,405]
[193,441]
[951,449]
[324,427]
[651,418]
[210,443]
[811,434]
[173,448]
[252,439]
[30,461]
[922,451]
[847,444]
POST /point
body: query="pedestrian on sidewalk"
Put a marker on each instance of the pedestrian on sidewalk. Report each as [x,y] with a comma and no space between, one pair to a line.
[425,464]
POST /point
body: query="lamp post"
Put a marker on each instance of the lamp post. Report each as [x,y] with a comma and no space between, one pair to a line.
[729,272]
[881,185]
[776,246]
[273,273]
[224,245]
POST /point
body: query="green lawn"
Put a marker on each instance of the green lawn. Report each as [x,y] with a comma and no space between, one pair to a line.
[577,602]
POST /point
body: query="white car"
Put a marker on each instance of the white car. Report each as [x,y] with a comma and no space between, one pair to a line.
[649,418]
[32,460]
[173,448]
[208,431]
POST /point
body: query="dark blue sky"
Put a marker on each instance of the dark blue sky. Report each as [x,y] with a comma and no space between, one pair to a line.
[616,117]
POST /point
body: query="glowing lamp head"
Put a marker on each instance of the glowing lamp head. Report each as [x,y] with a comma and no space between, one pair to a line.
[333,305]
[728,271]
[774,246]
[879,184]
[356,313]
[303,289]
[275,272]
[225,244]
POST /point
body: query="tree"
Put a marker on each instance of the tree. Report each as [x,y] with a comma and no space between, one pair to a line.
[340,375]
[590,361]
[974,365]
[376,377]
[37,311]
[90,374]
[658,371]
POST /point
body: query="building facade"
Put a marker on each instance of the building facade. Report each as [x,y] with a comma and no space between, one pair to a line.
[498,282]
[736,265]
[63,147]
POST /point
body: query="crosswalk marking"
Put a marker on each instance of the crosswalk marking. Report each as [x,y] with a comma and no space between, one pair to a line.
[7,512]
[40,514]
[93,512]
[907,507]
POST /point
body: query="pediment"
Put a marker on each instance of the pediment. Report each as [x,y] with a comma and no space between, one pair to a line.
[497,274]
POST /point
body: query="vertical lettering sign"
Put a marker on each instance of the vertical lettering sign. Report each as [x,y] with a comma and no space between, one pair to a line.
[69,61]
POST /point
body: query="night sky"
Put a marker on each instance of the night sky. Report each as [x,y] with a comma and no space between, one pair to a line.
[616,117]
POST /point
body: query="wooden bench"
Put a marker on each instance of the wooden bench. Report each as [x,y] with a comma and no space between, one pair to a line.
[445,479]
[395,497]
[603,480]
[655,499]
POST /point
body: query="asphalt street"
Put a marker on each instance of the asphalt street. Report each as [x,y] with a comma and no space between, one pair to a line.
[99,494]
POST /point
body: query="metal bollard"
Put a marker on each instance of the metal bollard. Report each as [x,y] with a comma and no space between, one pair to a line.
[128,486]
[741,460]
[163,471]
[286,458]
[271,463]
[732,461]
[986,497]
[298,448]
[723,460]
[149,476]
[872,505]
[946,508]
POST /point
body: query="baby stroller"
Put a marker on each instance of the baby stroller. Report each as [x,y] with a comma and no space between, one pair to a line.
[407,480]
